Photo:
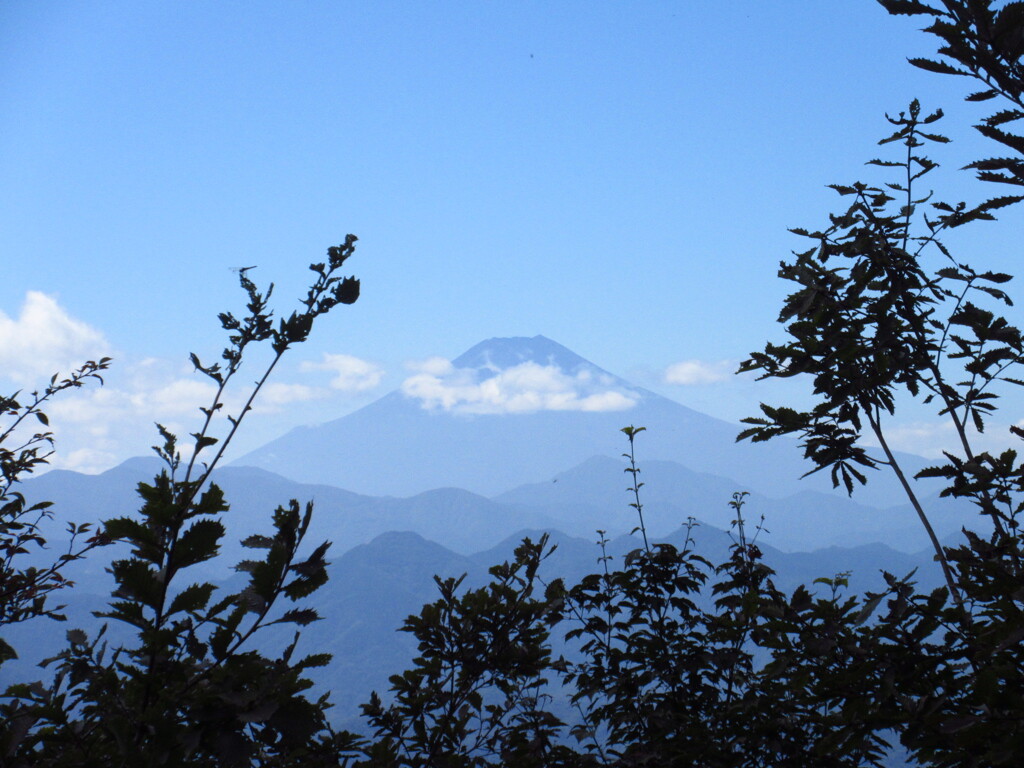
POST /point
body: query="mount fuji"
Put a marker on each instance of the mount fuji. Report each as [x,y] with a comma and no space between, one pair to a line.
[513,411]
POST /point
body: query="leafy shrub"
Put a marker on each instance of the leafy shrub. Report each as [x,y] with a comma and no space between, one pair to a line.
[188,688]
[761,678]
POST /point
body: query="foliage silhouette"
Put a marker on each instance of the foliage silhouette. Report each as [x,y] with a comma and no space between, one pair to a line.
[668,658]
[24,590]
[665,665]
[818,677]
[672,660]
[870,317]
[985,42]
[188,688]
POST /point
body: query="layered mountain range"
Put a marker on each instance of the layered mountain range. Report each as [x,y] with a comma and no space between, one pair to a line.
[445,475]
[523,433]
[511,411]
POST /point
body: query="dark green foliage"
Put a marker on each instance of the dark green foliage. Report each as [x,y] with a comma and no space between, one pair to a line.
[655,675]
[187,690]
[186,687]
[869,319]
[24,590]
[476,695]
[871,316]
[983,40]
[673,661]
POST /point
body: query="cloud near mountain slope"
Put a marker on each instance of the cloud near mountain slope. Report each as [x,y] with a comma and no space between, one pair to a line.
[518,410]
[690,373]
[351,374]
[524,388]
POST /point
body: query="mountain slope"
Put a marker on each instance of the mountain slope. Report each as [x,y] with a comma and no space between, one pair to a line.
[401,445]
[593,495]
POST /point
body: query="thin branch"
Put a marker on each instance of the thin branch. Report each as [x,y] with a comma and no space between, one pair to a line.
[940,554]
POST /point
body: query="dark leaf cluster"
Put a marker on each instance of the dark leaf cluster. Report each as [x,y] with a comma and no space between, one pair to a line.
[187,687]
[25,589]
[871,318]
[476,695]
[983,40]
[672,660]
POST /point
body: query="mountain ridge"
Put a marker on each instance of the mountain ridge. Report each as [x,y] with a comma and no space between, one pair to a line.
[395,446]
[578,501]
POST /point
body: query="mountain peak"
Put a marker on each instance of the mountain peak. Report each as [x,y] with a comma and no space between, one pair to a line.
[508,412]
[499,354]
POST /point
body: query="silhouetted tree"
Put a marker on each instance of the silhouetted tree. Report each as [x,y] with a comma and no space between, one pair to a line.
[187,688]
[654,676]
[24,589]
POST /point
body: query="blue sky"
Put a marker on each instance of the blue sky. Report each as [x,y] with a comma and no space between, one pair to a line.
[616,176]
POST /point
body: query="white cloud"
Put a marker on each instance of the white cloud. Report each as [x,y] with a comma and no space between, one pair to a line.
[273,395]
[931,438]
[276,394]
[690,373]
[524,388]
[98,426]
[89,461]
[124,411]
[351,374]
[177,398]
[434,366]
[45,339]
[92,406]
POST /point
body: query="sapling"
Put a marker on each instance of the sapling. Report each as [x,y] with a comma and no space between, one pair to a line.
[187,687]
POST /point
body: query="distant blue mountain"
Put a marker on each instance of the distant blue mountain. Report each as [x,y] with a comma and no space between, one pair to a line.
[374,586]
[592,495]
[577,501]
[396,447]
[462,521]
[503,353]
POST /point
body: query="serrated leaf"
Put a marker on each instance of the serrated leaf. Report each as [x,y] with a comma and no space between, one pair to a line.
[7,653]
[128,611]
[907,7]
[257,541]
[1004,116]
[940,67]
[77,637]
[193,598]
[222,637]
[300,616]
[314,660]
[869,607]
[200,542]
[996,277]
[985,95]
[137,581]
